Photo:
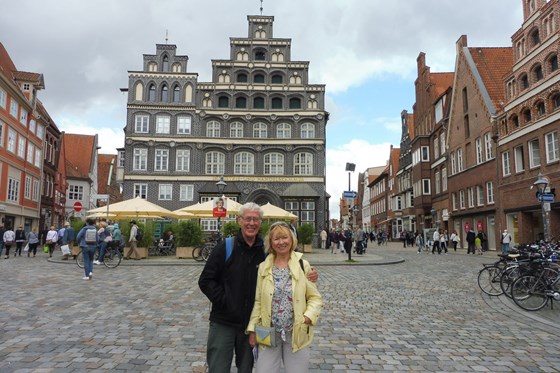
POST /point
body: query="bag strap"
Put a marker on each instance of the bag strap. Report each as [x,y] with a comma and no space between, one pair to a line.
[229,247]
[301,265]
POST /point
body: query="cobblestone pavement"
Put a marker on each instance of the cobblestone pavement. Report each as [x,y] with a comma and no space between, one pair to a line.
[425,314]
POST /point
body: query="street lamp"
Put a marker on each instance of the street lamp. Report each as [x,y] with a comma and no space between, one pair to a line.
[434,220]
[542,185]
[221,184]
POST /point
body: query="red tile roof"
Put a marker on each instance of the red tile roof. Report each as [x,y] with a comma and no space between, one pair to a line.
[103,168]
[79,152]
[441,82]
[493,65]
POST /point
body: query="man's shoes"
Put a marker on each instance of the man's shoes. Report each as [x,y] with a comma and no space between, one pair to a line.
[96,262]
[90,275]
[85,278]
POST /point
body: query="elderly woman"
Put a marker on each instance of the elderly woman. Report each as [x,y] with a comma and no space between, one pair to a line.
[286,300]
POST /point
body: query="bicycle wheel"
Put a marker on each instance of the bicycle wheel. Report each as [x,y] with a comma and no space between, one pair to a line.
[206,251]
[489,280]
[196,254]
[112,258]
[509,275]
[529,293]
[80,259]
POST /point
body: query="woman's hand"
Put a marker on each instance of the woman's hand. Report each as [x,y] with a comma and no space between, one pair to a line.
[312,275]
[307,320]
[252,339]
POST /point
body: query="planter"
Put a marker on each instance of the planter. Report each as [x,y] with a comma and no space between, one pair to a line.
[184,252]
[307,248]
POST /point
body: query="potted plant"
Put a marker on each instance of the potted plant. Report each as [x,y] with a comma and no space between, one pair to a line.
[188,235]
[305,236]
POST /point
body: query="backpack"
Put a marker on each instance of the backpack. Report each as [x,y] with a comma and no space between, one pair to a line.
[139,234]
[91,236]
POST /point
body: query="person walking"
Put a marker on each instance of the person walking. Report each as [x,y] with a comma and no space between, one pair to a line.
[132,241]
[286,300]
[454,240]
[2,230]
[33,240]
[231,290]
[443,241]
[436,238]
[117,236]
[478,244]
[20,240]
[324,239]
[68,238]
[471,237]
[8,238]
[419,242]
[51,239]
[88,244]
[505,240]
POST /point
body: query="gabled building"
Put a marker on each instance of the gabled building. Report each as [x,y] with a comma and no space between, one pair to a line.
[478,96]
[365,196]
[529,126]
[22,133]
[392,190]
[403,199]
[107,179]
[258,123]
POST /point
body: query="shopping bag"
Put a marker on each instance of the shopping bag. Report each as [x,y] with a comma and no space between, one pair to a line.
[46,249]
[26,248]
[65,249]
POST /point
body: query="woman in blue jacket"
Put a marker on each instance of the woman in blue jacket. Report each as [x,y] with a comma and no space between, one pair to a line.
[88,246]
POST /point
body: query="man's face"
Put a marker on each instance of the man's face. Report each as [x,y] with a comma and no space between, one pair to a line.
[250,224]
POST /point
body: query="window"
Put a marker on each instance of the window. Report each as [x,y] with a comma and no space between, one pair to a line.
[37,157]
[186,192]
[460,160]
[14,108]
[258,78]
[260,56]
[165,64]
[462,199]
[40,131]
[236,129]
[213,129]
[27,188]
[436,181]
[453,163]
[534,153]
[223,101]
[161,159]
[553,63]
[307,131]
[141,190]
[277,79]
[242,78]
[454,201]
[276,103]
[295,103]
[471,197]
[551,141]
[215,162]
[444,179]
[537,73]
[163,124]
[467,127]
[32,125]
[523,82]
[307,213]
[176,94]
[426,190]
[425,153]
[240,102]
[519,159]
[465,100]
[164,93]
[244,163]
[182,160]
[152,93]
[184,125]
[21,147]
[535,37]
[23,117]
[35,196]
[442,143]
[436,148]
[30,152]
[540,108]
[489,192]
[120,162]
[141,123]
[258,103]
[140,162]
[488,146]
[75,192]
[515,121]
[506,168]
[11,140]
[303,164]
[260,131]
[479,158]
[274,164]
[527,115]
[3,98]
[165,192]
[480,195]
[284,131]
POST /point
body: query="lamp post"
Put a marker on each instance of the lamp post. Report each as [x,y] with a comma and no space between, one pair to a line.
[434,221]
[221,184]
[542,185]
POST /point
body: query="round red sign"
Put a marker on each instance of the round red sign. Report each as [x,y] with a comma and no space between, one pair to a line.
[77,206]
[467,226]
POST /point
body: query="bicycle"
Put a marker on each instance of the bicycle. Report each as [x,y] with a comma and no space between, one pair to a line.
[112,259]
[533,291]
[203,251]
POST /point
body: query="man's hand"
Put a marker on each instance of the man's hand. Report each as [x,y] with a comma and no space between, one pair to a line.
[312,275]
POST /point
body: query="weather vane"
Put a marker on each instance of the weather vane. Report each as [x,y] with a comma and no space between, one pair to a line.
[166,36]
[261,6]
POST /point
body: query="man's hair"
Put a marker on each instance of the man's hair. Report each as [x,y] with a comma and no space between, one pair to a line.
[250,206]
[90,221]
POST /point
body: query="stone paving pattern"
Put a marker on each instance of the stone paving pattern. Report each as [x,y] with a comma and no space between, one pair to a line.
[424,314]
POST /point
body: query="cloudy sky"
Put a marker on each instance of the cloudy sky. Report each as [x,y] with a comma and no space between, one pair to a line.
[364,51]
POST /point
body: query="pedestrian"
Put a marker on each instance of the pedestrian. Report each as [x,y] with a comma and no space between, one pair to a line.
[8,237]
[505,241]
[33,240]
[436,238]
[419,242]
[478,244]
[402,236]
[334,241]
[359,241]
[231,290]
[385,238]
[104,238]
[132,241]
[2,230]
[87,238]
[471,237]
[324,239]
[20,240]
[51,239]
[117,236]
[286,300]
[443,241]
[68,239]
[454,240]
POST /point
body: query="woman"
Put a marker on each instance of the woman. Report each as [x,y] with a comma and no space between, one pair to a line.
[9,237]
[88,249]
[33,239]
[286,300]
[20,240]
[454,240]
[52,237]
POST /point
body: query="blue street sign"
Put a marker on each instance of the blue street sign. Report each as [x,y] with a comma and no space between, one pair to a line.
[546,198]
[349,194]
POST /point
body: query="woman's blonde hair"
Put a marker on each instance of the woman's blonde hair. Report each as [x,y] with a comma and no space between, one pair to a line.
[279,227]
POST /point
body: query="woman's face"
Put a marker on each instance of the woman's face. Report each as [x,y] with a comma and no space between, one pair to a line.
[281,242]
[219,203]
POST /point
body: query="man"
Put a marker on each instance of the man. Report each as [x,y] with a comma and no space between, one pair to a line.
[132,241]
[2,230]
[359,241]
[68,238]
[324,236]
[506,240]
[471,237]
[436,238]
[231,289]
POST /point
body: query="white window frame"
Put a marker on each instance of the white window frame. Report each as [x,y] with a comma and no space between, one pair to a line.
[454,201]
[184,123]
[182,160]
[214,163]
[30,152]
[32,126]
[161,160]
[519,158]
[551,144]
[37,157]
[436,148]
[40,131]
[3,98]
[163,124]
[442,143]
[12,138]
[213,129]
[244,163]
[140,190]
[424,153]
[460,160]
[462,199]
[35,196]
[307,131]
[436,181]
[27,188]
[444,179]
[141,123]
[426,187]
[273,164]
[488,146]
[534,153]
[453,163]
[506,164]
[489,192]
[303,163]
[75,192]
[140,159]
[236,130]
[471,197]
[14,108]
[13,190]
[260,130]
[284,131]
[165,192]
[186,192]
[21,146]
[480,195]
[23,117]
[479,156]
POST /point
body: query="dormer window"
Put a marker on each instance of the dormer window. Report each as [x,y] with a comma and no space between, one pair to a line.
[165,65]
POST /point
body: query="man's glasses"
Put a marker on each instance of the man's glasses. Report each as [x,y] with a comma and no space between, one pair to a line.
[249,219]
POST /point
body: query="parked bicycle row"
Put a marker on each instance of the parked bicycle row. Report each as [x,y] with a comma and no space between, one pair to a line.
[529,275]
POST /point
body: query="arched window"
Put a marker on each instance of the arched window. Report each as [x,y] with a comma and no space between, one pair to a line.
[295,103]
[213,129]
[215,162]
[152,92]
[236,129]
[176,93]
[258,103]
[244,163]
[165,65]
[260,131]
[303,164]
[540,108]
[307,131]
[284,131]
[152,66]
[556,101]
[242,78]
[274,164]
[527,115]
[164,93]
[276,103]
[537,73]
[258,78]
[277,79]
[523,82]
[535,37]
[514,121]
[260,56]
[223,101]
[240,102]
[176,67]
[553,63]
